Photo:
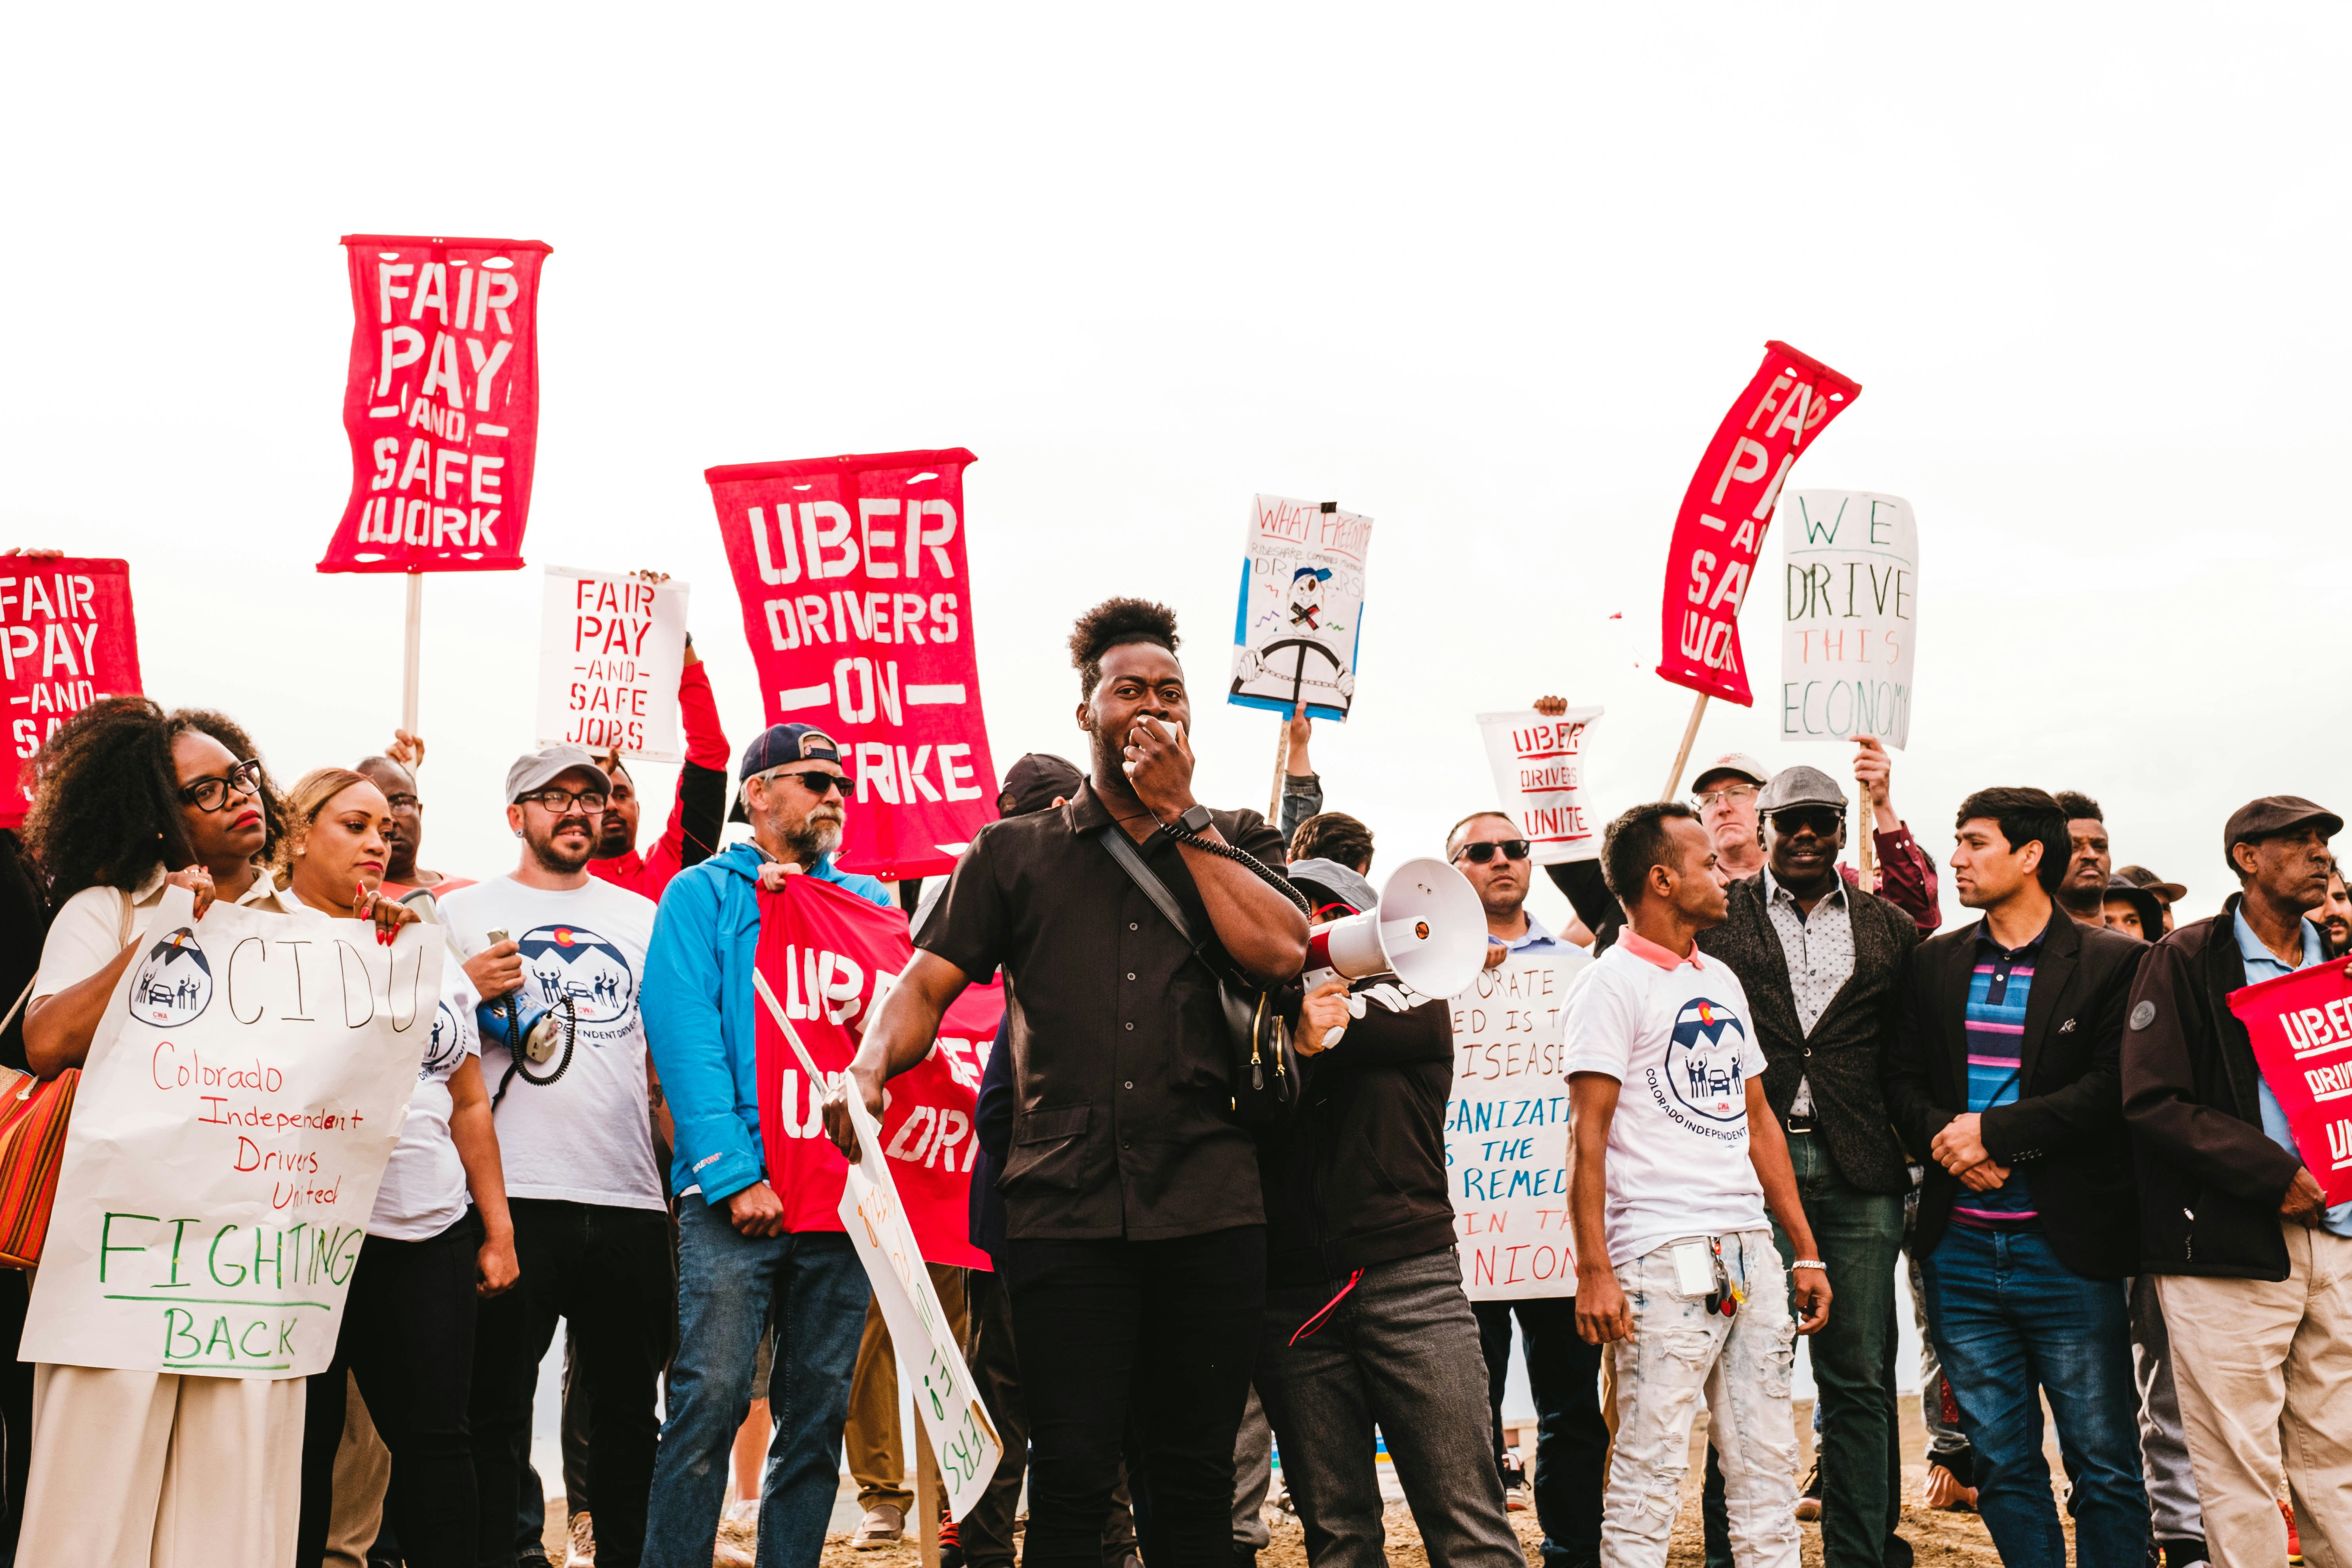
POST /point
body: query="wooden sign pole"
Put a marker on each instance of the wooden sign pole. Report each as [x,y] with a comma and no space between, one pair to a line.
[927,1497]
[1682,757]
[413,657]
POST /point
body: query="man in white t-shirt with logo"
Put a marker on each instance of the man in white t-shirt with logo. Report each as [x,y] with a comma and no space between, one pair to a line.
[591,1229]
[1675,1157]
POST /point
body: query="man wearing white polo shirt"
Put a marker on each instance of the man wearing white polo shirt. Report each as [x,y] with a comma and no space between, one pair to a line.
[1674,1158]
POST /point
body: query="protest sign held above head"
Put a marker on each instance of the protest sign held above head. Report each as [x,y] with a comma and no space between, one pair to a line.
[67,638]
[858,607]
[2301,1028]
[611,648]
[1539,763]
[441,404]
[1727,509]
[1302,607]
[1851,576]
[241,1098]
[1507,1130]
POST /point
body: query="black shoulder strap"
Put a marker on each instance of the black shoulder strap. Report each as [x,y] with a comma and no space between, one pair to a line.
[1122,849]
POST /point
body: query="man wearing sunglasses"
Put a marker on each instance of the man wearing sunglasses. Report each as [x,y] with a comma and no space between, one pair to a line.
[738,1268]
[1822,963]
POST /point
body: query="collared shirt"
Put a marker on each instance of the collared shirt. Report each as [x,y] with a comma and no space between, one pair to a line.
[2263,964]
[1539,942]
[1123,1121]
[1820,952]
[1998,994]
[1649,951]
[88,931]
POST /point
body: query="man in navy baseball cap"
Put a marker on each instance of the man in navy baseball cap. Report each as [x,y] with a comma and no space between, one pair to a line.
[780,744]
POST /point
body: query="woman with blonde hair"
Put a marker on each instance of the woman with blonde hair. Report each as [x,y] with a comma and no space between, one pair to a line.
[407,1333]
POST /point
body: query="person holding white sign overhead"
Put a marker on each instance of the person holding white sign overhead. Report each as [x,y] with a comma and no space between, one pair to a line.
[130,1467]
[1135,1255]
[408,1332]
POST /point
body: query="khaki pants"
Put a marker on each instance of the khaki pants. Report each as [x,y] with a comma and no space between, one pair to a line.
[2257,1362]
[144,1469]
[876,1451]
[362,1475]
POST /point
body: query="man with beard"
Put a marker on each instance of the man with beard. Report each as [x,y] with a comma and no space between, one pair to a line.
[2083,892]
[698,814]
[1136,1247]
[740,1270]
[590,1233]
[2334,916]
[395,774]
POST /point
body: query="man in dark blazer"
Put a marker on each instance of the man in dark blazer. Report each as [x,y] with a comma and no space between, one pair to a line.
[1823,965]
[2006,1075]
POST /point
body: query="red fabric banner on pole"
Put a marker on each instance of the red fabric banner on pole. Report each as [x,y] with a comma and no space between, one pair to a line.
[441,404]
[67,638]
[2301,1027]
[1719,532]
[829,956]
[858,608]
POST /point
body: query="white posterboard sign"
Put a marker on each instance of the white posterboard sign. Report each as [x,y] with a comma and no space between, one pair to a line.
[1506,1130]
[1849,616]
[1300,620]
[611,649]
[1539,763]
[930,1363]
[233,1118]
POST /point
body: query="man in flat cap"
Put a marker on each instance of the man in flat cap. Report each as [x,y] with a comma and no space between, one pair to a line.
[1822,962]
[2254,1269]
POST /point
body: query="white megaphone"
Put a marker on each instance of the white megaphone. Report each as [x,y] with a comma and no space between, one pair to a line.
[1429,931]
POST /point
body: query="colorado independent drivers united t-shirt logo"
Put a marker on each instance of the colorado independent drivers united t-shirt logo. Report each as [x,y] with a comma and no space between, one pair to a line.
[444,1046]
[1701,1069]
[173,983]
[560,961]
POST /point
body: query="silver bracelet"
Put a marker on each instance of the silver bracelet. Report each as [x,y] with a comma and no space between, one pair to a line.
[1810,1263]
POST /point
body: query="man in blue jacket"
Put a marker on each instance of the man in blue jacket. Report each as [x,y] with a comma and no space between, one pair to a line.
[739,1270]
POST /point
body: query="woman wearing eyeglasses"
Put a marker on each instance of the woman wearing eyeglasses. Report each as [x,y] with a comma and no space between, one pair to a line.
[134,1467]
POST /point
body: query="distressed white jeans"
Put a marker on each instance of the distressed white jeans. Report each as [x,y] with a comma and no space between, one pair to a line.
[1679,1353]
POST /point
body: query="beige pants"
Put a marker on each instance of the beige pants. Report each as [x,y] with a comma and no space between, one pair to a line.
[2264,1371]
[145,1469]
[871,1437]
[362,1474]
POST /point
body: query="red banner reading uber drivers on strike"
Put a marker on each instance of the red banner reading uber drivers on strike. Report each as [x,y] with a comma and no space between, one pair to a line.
[1720,529]
[441,404]
[858,609]
[67,638]
[2300,1026]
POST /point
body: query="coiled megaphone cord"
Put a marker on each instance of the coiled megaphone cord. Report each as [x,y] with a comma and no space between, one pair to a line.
[514,1043]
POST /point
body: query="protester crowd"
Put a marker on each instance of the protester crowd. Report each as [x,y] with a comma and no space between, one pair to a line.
[1796,1098]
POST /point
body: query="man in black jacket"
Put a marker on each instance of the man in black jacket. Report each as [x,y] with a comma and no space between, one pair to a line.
[1366,1321]
[2005,1073]
[2254,1268]
[1823,965]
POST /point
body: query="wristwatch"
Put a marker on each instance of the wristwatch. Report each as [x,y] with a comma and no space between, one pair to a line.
[1196,822]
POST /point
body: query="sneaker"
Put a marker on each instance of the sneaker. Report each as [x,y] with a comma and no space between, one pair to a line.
[1942,1489]
[1515,1481]
[1809,1497]
[882,1526]
[582,1550]
[950,1545]
[2293,1541]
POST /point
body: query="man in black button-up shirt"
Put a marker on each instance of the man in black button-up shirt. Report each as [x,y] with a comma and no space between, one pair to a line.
[1135,1254]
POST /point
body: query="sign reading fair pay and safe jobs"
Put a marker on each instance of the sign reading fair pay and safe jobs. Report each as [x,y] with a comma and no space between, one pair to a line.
[612,647]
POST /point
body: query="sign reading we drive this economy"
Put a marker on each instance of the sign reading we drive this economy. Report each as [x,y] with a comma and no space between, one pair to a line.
[1506,1130]
[858,604]
[242,1095]
[1851,615]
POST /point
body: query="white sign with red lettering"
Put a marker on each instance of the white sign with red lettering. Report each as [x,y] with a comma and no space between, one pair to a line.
[612,647]
[1539,760]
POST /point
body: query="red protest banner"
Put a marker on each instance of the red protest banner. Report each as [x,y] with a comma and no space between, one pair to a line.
[858,609]
[441,404]
[829,956]
[2301,1026]
[1720,529]
[67,638]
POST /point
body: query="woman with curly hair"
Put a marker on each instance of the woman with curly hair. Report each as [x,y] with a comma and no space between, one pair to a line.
[138,1466]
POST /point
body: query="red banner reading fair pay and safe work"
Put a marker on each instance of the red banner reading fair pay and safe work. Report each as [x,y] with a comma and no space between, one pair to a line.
[858,609]
[67,638]
[441,404]
[2301,1027]
[1719,532]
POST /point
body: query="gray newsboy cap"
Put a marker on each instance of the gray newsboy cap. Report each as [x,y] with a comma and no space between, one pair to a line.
[1799,786]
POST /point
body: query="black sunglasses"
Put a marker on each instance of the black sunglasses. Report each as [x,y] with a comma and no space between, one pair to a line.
[1824,823]
[210,794]
[817,781]
[1479,854]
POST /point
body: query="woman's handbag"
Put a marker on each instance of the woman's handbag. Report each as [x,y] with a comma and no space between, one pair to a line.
[32,1142]
[1265,1074]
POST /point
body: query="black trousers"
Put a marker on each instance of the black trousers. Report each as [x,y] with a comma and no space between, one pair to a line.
[1571,1439]
[407,1336]
[1162,1333]
[16,1402]
[607,1270]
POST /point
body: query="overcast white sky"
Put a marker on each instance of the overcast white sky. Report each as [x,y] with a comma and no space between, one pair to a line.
[1488,275]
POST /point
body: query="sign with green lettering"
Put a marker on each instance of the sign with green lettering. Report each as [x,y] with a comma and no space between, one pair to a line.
[233,1122]
[1850,620]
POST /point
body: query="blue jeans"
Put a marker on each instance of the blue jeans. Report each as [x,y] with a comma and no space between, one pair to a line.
[2013,1325]
[810,1285]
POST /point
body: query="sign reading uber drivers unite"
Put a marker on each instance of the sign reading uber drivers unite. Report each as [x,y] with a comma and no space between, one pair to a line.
[234,1119]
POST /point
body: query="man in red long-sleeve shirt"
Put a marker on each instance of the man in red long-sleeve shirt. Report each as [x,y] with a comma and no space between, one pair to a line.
[695,817]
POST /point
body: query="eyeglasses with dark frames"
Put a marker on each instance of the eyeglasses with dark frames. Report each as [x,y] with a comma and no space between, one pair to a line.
[559,801]
[212,793]
[817,780]
[1480,853]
